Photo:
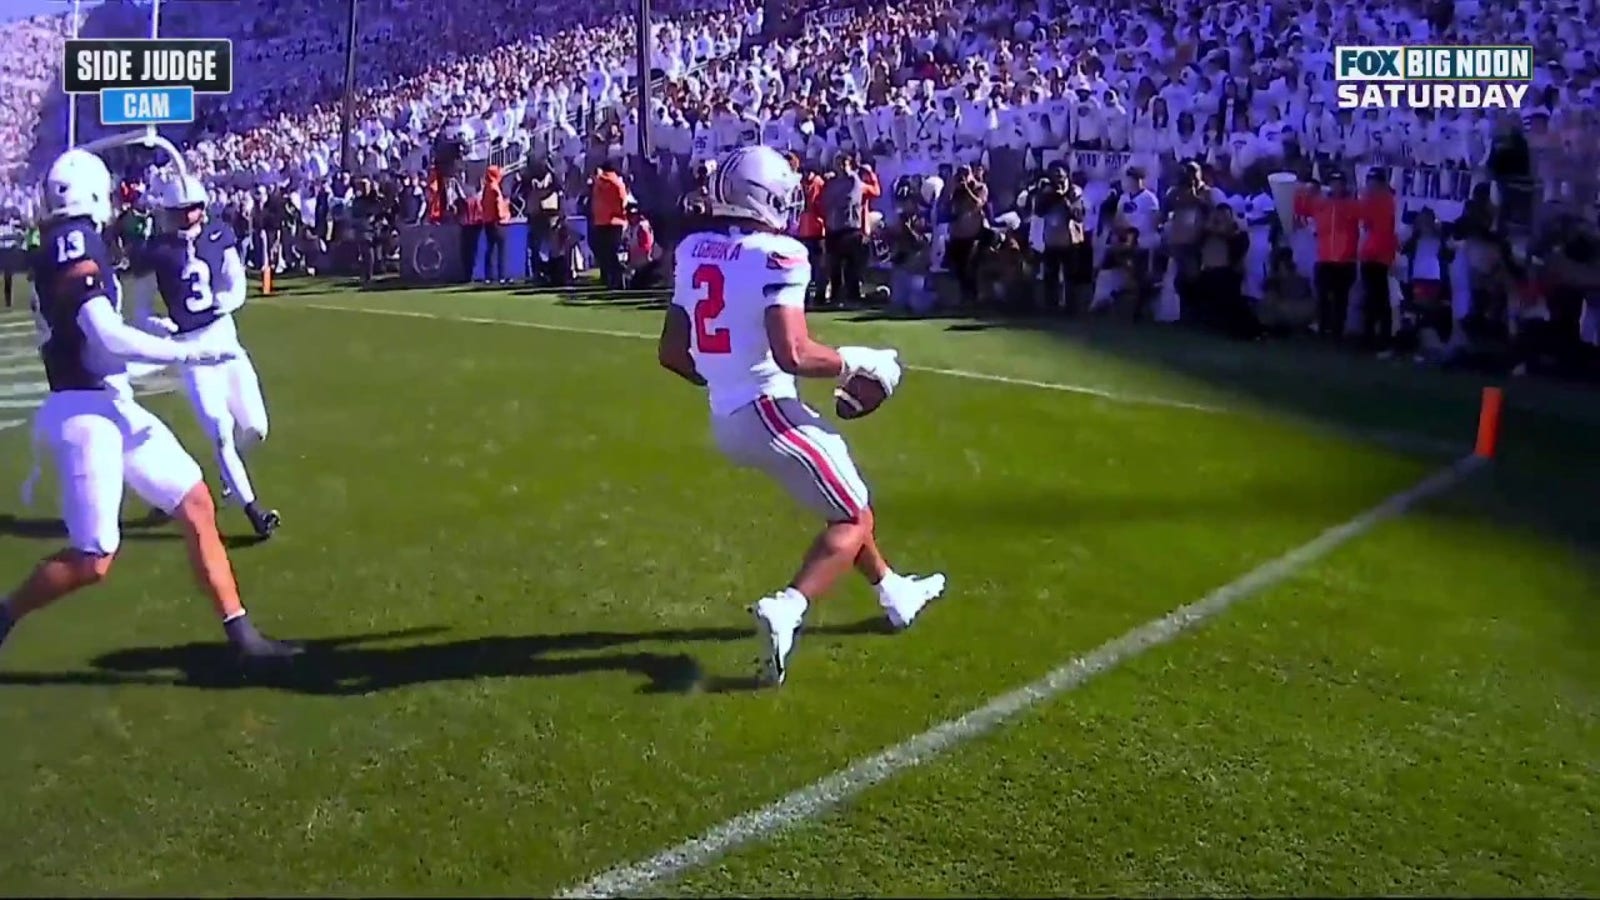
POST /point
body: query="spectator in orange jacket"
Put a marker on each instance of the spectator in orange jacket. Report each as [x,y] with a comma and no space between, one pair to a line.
[1337,216]
[871,190]
[607,218]
[1379,244]
[435,195]
[496,216]
[809,230]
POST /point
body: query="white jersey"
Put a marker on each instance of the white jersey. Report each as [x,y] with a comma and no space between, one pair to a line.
[725,282]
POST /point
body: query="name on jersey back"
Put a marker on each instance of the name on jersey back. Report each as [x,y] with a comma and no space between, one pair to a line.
[715,249]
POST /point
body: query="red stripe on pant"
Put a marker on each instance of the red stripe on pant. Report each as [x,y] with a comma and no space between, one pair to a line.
[790,437]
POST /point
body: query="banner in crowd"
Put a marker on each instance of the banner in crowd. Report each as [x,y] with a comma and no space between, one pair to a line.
[1095,164]
[830,18]
[1416,185]
[1444,189]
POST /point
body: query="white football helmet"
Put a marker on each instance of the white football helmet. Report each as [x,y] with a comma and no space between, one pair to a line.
[182,191]
[77,184]
[756,183]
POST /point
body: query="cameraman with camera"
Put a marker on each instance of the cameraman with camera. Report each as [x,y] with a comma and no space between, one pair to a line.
[1572,277]
[844,213]
[13,255]
[1064,264]
[969,202]
[542,203]
[366,211]
[1185,210]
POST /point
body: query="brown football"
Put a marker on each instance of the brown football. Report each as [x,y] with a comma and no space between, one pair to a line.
[859,396]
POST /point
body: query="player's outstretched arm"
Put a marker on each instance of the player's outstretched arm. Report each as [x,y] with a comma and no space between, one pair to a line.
[104,327]
[672,351]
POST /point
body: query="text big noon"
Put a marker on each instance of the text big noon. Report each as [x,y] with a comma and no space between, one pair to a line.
[164,66]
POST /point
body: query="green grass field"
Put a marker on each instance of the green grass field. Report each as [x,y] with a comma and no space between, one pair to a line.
[523,571]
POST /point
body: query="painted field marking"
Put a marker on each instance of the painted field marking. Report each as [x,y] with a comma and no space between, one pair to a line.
[1404,442]
[819,797]
[639,335]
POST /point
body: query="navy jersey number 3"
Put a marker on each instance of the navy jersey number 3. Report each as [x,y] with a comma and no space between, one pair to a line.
[184,268]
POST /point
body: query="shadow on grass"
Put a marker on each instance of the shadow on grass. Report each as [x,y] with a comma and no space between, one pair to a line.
[44,528]
[1547,474]
[152,527]
[359,664]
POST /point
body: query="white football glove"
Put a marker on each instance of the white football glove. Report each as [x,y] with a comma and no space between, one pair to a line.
[160,326]
[881,365]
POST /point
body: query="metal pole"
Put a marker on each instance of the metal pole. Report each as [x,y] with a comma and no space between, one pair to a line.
[347,112]
[642,39]
[72,99]
[155,32]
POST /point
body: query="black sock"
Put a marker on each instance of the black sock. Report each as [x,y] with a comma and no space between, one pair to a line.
[7,620]
[240,630]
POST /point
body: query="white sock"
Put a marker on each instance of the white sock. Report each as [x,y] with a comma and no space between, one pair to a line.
[795,596]
[890,583]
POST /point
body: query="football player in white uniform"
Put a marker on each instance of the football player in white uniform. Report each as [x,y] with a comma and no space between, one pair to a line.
[100,437]
[195,268]
[737,326]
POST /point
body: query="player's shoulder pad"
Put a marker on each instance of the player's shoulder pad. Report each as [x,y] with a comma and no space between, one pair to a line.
[69,241]
[64,245]
[222,233]
[785,259]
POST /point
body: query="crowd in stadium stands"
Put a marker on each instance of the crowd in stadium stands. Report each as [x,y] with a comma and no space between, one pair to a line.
[991,130]
[865,75]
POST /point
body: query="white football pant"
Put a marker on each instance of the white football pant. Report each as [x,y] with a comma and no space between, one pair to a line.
[227,401]
[101,440]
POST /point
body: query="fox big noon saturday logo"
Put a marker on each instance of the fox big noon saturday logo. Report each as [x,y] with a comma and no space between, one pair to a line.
[1438,77]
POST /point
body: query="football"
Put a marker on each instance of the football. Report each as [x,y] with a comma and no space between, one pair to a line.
[858,397]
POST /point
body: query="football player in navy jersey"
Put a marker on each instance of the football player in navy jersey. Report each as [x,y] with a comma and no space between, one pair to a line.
[99,436]
[195,267]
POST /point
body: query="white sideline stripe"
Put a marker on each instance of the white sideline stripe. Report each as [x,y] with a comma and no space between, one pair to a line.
[820,796]
[952,373]
[32,403]
[24,389]
[8,323]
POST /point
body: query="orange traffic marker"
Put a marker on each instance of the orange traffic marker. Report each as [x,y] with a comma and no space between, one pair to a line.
[1489,423]
[266,279]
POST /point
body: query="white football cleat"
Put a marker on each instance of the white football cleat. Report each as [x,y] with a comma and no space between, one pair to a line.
[908,597]
[778,619]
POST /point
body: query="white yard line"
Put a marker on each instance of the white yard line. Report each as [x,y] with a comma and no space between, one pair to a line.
[1408,443]
[637,335]
[819,797]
